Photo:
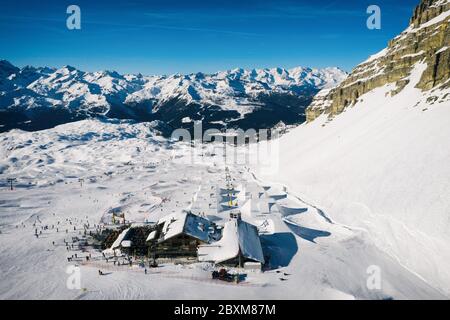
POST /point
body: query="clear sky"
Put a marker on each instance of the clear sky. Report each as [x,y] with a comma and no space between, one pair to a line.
[169,36]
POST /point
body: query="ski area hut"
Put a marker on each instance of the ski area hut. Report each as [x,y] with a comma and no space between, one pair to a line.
[178,235]
[131,241]
[116,245]
[239,244]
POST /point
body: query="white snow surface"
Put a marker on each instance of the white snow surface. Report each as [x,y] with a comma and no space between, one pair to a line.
[225,249]
[381,168]
[368,188]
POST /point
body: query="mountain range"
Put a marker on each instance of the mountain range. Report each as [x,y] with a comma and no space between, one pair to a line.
[39,98]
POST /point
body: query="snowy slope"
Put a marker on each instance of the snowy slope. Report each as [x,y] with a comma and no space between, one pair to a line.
[126,168]
[87,147]
[381,167]
[374,156]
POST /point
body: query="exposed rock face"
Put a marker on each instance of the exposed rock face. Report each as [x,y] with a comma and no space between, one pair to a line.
[322,101]
[426,39]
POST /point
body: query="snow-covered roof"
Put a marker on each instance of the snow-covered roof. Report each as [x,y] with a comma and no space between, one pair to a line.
[237,235]
[126,243]
[249,242]
[225,249]
[151,236]
[119,239]
[187,223]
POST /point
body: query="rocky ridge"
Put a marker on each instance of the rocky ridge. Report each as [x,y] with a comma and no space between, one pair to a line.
[427,39]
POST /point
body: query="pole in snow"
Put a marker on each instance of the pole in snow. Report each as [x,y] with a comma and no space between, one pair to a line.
[11,181]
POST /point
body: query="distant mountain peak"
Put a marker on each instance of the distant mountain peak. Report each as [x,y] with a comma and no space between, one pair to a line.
[236,95]
[6,69]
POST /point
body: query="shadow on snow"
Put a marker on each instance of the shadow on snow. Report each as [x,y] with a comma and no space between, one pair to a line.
[306,233]
[280,248]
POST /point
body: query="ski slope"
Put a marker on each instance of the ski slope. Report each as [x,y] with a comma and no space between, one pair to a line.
[311,255]
[366,189]
[381,167]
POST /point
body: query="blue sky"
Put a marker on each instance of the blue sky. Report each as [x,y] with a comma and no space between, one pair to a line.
[168,36]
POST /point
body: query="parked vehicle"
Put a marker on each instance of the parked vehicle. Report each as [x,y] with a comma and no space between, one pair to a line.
[223,275]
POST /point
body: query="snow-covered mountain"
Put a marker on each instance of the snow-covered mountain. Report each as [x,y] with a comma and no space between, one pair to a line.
[366,180]
[374,156]
[426,40]
[38,98]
